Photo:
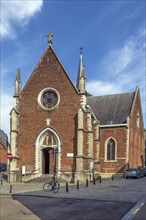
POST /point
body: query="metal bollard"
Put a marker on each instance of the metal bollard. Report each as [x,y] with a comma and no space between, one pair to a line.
[66,186]
[1,182]
[112,177]
[10,189]
[94,180]
[100,179]
[77,184]
[87,182]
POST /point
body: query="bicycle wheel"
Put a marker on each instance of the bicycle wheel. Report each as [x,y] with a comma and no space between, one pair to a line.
[47,187]
[56,187]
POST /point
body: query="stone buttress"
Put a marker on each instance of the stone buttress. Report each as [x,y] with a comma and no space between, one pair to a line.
[14,131]
[87,128]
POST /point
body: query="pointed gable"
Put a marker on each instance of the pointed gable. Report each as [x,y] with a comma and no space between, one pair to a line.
[48,69]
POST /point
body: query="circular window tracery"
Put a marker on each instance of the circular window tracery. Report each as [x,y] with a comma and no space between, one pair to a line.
[48,98]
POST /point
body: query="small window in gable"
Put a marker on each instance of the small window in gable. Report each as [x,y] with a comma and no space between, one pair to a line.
[138,120]
[111,149]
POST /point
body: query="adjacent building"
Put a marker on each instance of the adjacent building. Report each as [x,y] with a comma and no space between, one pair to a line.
[4,147]
[145,146]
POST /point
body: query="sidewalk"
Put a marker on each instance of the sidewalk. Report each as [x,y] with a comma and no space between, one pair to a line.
[138,212]
[11,209]
[141,214]
[13,188]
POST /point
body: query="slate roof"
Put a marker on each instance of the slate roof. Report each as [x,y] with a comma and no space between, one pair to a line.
[111,109]
[3,137]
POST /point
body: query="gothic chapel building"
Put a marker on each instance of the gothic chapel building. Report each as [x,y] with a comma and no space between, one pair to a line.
[59,127]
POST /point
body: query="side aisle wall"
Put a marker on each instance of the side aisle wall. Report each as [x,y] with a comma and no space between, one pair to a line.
[119,134]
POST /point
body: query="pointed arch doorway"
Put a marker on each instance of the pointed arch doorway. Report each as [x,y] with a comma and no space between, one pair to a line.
[47,153]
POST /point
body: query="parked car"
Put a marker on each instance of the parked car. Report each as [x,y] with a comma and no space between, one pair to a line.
[3,167]
[134,173]
[144,171]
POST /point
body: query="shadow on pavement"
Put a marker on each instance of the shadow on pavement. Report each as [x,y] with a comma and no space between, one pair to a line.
[74,209]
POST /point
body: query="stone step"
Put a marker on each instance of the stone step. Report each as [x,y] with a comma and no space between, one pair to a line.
[45,178]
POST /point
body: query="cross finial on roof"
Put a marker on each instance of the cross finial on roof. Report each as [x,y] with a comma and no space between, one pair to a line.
[81,48]
[50,35]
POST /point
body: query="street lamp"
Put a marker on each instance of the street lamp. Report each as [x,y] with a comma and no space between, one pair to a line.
[55,160]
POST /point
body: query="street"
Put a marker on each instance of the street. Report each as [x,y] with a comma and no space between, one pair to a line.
[70,209]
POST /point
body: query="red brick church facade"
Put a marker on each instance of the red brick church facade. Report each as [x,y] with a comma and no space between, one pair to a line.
[57,126]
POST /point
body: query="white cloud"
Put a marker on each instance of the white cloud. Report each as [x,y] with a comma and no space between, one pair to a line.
[125,61]
[119,59]
[6,106]
[130,16]
[4,71]
[101,88]
[17,12]
[123,69]
[6,99]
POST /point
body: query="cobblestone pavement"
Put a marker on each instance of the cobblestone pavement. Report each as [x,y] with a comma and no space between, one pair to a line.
[127,190]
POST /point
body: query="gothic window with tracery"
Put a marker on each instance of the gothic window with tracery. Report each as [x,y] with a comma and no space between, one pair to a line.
[48,98]
[110,149]
[49,140]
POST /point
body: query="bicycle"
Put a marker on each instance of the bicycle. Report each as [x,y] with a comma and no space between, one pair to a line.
[53,186]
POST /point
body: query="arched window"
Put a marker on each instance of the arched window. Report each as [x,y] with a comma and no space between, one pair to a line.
[49,140]
[138,120]
[110,149]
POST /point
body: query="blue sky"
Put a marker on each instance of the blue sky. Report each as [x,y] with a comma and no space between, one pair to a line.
[112,34]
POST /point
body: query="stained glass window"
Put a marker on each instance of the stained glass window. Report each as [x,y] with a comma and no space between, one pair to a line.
[48,98]
[49,140]
[111,149]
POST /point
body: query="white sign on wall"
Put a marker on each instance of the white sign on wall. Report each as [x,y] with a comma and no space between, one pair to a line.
[70,154]
[23,170]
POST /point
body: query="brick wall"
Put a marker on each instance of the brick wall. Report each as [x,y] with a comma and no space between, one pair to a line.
[48,73]
[3,152]
[119,135]
[136,141]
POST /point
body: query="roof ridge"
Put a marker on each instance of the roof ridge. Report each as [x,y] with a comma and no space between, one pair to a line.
[112,94]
